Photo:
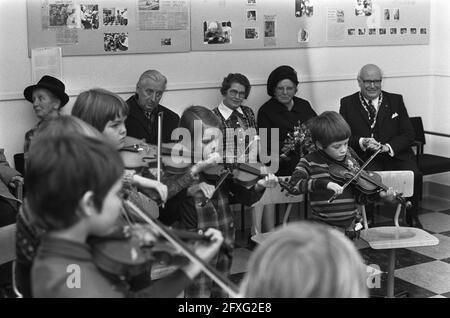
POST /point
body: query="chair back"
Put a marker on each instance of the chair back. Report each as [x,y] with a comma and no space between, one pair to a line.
[7,243]
[418,129]
[276,196]
[19,162]
[401,181]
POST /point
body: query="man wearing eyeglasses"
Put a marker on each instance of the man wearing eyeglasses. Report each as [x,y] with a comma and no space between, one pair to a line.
[142,121]
[380,119]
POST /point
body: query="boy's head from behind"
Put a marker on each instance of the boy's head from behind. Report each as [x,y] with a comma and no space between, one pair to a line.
[105,111]
[64,173]
[305,260]
[331,132]
[66,124]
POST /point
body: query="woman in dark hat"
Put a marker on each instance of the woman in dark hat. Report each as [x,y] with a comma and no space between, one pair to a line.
[283,111]
[48,96]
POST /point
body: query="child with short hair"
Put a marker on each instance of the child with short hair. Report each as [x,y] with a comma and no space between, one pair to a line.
[29,230]
[305,260]
[203,205]
[74,187]
[107,112]
[330,133]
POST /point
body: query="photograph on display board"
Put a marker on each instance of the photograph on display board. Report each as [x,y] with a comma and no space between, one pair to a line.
[166,41]
[251,2]
[89,16]
[269,29]
[396,14]
[413,31]
[148,4]
[340,16]
[393,30]
[73,19]
[58,14]
[304,8]
[423,30]
[387,15]
[251,33]
[351,31]
[251,15]
[303,35]
[217,33]
[115,42]
[361,31]
[372,31]
[115,16]
[403,30]
[382,31]
[363,8]
[64,15]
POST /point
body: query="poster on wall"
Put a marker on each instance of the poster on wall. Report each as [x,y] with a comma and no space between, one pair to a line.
[335,24]
[163,15]
[46,61]
[100,27]
[269,30]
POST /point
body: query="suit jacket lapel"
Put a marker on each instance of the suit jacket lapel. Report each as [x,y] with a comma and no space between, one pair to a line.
[362,110]
[138,113]
[384,110]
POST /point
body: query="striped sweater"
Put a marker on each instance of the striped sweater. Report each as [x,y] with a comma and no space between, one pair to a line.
[311,175]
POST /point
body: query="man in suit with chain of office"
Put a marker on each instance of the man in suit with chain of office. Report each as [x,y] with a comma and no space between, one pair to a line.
[380,119]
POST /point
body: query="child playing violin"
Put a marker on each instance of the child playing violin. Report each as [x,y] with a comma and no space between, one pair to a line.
[107,112]
[330,133]
[29,231]
[202,205]
[75,200]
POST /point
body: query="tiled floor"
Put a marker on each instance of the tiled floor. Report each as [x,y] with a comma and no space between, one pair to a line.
[421,272]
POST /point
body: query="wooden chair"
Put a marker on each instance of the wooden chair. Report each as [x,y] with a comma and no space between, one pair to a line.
[393,237]
[276,196]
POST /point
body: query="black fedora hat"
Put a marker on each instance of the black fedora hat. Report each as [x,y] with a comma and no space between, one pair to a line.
[54,85]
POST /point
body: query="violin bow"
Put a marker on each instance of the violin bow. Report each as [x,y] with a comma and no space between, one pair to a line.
[158,167]
[219,183]
[211,272]
[361,169]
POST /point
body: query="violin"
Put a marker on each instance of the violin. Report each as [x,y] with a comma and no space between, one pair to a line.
[179,245]
[138,155]
[130,250]
[365,181]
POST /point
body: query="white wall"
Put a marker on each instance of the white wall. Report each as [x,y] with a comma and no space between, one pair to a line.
[437,116]
[327,74]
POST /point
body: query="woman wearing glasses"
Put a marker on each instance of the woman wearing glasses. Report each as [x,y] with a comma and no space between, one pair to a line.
[237,120]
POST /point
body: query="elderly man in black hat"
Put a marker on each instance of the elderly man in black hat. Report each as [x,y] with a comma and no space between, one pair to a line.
[48,96]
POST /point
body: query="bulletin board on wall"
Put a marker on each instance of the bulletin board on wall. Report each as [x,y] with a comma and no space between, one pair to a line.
[265,24]
[108,27]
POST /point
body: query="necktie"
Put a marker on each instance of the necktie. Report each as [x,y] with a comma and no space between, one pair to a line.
[372,112]
[148,114]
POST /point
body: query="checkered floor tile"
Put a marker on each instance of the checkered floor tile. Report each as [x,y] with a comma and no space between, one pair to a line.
[420,272]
